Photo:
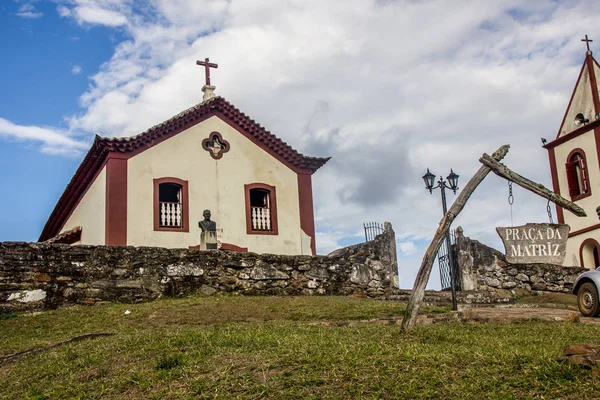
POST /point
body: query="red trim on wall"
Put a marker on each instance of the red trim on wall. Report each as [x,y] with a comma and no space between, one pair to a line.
[307,216]
[586,241]
[572,135]
[597,140]
[233,247]
[185,220]
[555,185]
[273,203]
[116,202]
[584,230]
[89,185]
[86,173]
[571,99]
[593,83]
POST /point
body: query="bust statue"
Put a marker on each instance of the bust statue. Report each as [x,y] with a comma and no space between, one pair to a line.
[206,224]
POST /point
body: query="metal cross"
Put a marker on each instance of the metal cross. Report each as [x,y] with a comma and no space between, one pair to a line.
[587,42]
[207,65]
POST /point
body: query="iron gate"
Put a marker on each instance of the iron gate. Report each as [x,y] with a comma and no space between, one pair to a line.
[372,229]
[446,259]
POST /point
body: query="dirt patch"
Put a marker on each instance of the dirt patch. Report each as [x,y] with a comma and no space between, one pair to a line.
[481,314]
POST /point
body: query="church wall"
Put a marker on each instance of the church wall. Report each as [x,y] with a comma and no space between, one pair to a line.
[574,245]
[90,213]
[572,250]
[586,142]
[581,103]
[217,185]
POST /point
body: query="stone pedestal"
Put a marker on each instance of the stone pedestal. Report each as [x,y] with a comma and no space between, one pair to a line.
[209,92]
[208,240]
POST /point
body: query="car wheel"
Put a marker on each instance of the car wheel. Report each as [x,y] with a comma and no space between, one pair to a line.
[587,300]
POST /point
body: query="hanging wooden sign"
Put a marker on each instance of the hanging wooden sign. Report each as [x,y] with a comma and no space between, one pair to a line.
[535,243]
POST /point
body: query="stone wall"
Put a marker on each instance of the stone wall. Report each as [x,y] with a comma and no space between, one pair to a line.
[483,268]
[42,275]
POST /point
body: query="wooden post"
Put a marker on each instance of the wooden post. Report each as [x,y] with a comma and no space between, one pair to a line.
[504,172]
[418,292]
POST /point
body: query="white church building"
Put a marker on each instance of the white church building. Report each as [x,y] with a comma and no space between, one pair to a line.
[151,189]
[575,165]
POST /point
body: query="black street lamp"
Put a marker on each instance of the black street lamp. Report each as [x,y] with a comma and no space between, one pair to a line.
[452,184]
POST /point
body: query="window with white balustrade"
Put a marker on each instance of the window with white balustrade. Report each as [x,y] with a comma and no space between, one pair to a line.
[261,209]
[171,205]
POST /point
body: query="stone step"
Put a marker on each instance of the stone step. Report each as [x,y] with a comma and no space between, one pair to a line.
[434,297]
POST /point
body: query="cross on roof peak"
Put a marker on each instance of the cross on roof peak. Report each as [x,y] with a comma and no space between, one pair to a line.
[207,65]
[587,42]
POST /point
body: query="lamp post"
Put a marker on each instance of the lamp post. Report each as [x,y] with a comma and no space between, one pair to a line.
[452,184]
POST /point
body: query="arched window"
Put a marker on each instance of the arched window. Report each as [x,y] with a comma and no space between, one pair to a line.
[171,205]
[577,175]
[261,209]
[589,253]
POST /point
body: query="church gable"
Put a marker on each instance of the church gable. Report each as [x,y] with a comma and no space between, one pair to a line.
[216,106]
[581,106]
[584,105]
[104,150]
[220,166]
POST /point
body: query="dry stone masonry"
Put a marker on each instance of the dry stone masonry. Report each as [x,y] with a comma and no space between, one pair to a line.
[483,268]
[45,275]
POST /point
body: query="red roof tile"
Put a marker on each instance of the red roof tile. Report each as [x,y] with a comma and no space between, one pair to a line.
[221,107]
[69,237]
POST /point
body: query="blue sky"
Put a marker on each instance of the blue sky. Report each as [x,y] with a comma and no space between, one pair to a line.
[387,88]
[39,88]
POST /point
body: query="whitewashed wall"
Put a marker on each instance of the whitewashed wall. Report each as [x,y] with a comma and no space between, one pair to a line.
[217,185]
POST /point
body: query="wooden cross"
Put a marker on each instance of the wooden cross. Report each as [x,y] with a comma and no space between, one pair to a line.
[587,42]
[207,65]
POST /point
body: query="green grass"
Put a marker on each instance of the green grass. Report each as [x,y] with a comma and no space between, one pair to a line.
[227,347]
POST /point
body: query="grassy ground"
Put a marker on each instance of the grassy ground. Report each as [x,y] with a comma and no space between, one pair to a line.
[267,347]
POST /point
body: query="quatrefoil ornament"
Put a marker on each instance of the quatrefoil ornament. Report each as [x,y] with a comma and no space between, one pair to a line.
[215,145]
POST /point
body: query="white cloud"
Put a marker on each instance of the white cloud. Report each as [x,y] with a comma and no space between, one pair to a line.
[26,7]
[388,88]
[96,15]
[101,12]
[53,141]
[76,70]
[63,11]
[27,10]
[30,15]
[407,248]
[328,241]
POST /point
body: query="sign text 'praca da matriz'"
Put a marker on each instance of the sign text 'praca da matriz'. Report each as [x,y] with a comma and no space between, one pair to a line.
[535,243]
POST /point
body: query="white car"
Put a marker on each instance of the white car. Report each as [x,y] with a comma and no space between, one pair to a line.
[586,288]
